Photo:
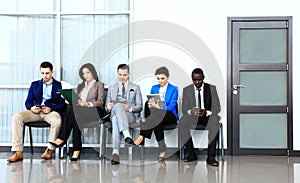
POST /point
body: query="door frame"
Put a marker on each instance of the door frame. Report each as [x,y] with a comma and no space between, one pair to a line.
[230,56]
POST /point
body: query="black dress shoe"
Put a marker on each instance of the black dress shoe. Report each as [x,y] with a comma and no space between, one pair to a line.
[129,142]
[212,162]
[115,160]
[191,157]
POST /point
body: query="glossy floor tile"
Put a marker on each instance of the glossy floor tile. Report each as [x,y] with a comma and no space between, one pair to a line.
[235,169]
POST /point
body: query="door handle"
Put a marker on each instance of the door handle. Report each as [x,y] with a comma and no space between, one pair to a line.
[238,86]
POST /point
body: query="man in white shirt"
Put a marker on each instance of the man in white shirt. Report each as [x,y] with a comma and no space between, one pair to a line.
[42,103]
[124,102]
[200,106]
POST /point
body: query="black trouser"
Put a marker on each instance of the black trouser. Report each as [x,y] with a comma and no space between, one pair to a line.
[211,124]
[77,115]
[155,120]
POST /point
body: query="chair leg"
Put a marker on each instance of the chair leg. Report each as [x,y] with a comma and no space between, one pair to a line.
[180,145]
[23,133]
[130,150]
[102,141]
[30,137]
[61,152]
[222,142]
[181,152]
[218,142]
[142,151]
[68,148]
[141,148]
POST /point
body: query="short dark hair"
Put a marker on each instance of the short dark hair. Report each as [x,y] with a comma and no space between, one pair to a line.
[46,64]
[91,68]
[198,71]
[123,67]
[162,70]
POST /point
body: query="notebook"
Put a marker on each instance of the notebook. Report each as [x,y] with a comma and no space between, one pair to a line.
[70,95]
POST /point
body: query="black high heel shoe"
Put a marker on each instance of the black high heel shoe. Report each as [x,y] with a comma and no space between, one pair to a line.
[162,158]
[75,159]
[55,145]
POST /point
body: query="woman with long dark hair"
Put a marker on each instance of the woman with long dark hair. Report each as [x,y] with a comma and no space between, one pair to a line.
[88,108]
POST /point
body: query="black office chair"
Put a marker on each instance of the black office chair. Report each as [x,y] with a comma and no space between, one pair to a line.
[89,124]
[166,127]
[96,124]
[41,124]
[105,126]
[203,127]
[174,127]
[35,124]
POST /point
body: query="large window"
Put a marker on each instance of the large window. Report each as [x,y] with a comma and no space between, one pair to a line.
[97,39]
[68,33]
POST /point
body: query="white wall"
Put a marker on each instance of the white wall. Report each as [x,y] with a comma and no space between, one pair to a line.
[208,20]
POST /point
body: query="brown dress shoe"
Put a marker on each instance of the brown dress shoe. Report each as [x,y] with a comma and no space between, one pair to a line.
[47,154]
[139,140]
[17,156]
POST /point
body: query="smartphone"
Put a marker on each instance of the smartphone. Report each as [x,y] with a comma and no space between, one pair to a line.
[197,108]
[40,106]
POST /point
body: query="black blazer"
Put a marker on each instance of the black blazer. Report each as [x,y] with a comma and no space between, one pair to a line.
[211,99]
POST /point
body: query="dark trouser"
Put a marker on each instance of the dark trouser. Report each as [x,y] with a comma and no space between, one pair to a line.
[77,115]
[155,120]
[211,124]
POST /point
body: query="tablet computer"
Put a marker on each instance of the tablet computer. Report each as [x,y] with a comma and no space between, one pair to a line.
[118,101]
[155,97]
[70,95]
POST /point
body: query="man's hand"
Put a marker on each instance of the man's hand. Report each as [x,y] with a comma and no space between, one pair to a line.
[126,106]
[45,109]
[198,112]
[202,112]
[36,109]
[110,106]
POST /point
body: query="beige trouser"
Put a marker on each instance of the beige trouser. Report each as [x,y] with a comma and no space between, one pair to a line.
[53,118]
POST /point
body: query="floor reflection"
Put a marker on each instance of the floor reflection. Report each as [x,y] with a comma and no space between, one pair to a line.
[233,169]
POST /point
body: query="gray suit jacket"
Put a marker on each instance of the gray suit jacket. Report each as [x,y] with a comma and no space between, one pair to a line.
[134,97]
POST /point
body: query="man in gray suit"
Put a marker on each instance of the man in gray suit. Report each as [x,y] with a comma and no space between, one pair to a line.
[124,102]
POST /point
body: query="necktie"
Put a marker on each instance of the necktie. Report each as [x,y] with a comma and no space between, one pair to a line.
[123,90]
[199,98]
